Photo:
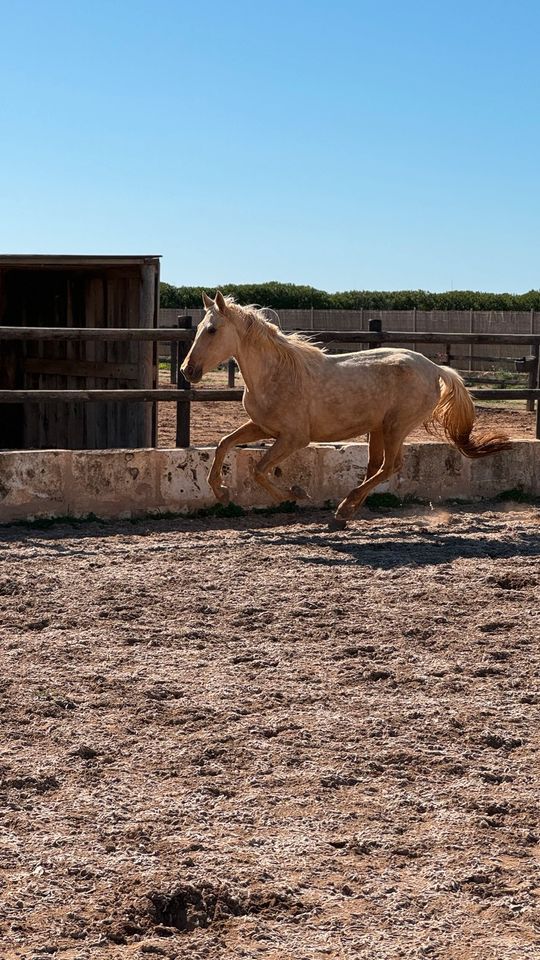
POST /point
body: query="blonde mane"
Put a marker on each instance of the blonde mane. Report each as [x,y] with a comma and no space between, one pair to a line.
[292,349]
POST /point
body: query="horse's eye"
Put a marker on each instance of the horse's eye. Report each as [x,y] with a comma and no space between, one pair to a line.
[212,330]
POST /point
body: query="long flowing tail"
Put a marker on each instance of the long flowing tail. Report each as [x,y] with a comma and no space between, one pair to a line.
[455,413]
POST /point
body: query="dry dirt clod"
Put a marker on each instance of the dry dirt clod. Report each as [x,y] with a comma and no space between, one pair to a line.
[85,752]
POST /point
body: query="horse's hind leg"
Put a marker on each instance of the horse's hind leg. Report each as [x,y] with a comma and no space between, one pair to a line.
[391,462]
[376,453]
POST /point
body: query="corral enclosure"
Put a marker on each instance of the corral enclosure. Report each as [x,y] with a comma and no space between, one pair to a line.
[78,291]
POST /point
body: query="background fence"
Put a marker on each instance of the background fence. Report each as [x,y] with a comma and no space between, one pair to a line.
[477,357]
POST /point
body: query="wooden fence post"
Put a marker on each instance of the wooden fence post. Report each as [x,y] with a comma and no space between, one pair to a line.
[231,370]
[536,351]
[174,355]
[183,407]
[374,326]
[533,372]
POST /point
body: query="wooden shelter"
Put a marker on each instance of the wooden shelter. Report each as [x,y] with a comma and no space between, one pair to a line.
[78,291]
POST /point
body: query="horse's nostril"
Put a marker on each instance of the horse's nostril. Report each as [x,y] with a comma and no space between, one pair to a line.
[191,373]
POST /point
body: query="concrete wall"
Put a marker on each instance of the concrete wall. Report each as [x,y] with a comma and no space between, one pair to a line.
[123,483]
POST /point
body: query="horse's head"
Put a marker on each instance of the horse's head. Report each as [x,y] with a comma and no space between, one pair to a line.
[215,340]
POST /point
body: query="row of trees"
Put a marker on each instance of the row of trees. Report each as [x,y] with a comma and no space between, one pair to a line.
[291,296]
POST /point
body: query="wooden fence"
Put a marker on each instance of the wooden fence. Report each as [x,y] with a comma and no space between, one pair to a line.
[476,356]
[184,396]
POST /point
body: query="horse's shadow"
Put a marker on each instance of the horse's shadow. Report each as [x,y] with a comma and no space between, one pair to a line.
[409,548]
[365,543]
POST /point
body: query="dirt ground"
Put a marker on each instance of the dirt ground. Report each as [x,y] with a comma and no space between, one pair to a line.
[212,421]
[250,737]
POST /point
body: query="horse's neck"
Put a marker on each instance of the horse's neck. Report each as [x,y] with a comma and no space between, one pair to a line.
[258,364]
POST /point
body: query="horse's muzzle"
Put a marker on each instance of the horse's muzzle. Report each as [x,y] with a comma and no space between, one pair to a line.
[191,373]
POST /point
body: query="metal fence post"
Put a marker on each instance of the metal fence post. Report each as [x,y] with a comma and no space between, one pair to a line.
[183,407]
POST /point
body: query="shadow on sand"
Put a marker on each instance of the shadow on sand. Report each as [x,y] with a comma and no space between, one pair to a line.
[396,538]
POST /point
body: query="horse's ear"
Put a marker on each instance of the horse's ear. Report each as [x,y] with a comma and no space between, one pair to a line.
[220,301]
[207,301]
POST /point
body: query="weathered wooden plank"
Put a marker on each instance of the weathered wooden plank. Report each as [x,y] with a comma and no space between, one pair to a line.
[94,312]
[131,417]
[534,374]
[389,336]
[114,302]
[120,395]
[518,394]
[320,336]
[95,333]
[77,319]
[88,308]
[183,410]
[148,311]
[195,396]
[32,418]
[81,368]
[73,426]
[39,260]
[67,430]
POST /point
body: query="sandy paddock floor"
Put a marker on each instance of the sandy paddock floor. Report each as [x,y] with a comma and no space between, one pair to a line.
[254,738]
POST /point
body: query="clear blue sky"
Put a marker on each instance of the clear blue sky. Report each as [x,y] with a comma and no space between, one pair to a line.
[375,145]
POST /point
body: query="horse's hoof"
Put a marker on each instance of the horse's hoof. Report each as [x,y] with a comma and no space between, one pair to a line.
[299,493]
[337,523]
[223,495]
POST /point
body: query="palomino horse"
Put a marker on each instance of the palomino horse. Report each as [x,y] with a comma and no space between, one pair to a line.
[297,394]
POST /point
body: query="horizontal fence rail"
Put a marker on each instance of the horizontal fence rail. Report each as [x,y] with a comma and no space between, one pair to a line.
[391,336]
[194,396]
[186,396]
[317,336]
[95,333]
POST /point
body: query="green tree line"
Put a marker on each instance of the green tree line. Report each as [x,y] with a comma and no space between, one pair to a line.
[282,296]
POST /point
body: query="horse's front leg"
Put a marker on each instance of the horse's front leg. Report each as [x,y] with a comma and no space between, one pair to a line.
[245,434]
[281,449]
